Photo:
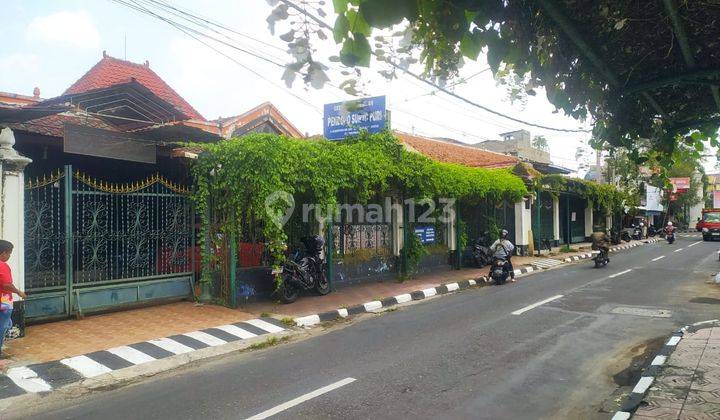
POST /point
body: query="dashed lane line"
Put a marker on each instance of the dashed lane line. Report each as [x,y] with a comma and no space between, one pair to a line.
[658,258]
[535,305]
[694,243]
[301,399]
[612,276]
[679,249]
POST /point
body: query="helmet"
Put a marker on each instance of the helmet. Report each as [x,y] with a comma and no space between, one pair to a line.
[669,223]
[504,233]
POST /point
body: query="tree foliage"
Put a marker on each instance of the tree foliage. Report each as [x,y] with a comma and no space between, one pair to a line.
[621,63]
[607,197]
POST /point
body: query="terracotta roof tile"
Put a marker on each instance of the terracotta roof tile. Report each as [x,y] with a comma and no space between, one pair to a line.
[454,153]
[111,71]
[52,125]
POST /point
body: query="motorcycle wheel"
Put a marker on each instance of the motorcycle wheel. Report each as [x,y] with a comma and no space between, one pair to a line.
[288,293]
[597,263]
[322,287]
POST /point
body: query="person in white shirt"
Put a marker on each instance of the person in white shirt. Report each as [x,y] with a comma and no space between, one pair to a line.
[503,249]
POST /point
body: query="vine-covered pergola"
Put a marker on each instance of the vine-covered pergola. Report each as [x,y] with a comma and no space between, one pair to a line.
[641,69]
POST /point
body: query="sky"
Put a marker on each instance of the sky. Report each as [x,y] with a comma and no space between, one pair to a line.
[49,44]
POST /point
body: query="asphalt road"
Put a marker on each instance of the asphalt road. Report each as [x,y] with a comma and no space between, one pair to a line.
[458,356]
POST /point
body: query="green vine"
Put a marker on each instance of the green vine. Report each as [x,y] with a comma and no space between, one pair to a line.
[414,251]
[605,196]
[234,178]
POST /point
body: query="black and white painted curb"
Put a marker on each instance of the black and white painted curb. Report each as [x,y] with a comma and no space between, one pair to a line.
[379,305]
[633,400]
[45,377]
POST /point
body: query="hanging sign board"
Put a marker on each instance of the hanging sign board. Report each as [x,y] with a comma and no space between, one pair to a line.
[91,141]
[680,184]
[344,119]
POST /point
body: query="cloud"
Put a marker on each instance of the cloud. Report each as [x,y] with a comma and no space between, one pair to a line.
[74,29]
[20,63]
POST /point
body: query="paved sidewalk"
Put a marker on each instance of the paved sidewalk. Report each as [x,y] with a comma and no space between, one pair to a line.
[58,340]
[689,385]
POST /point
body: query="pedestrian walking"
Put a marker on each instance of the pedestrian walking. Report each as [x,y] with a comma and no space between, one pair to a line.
[7,288]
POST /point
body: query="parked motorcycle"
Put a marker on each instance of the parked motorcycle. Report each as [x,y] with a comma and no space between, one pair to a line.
[500,271]
[637,232]
[304,273]
[601,259]
[477,254]
[652,231]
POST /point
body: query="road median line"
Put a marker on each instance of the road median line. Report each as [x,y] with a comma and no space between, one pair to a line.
[536,304]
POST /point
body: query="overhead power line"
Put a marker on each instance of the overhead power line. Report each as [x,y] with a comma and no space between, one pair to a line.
[435,85]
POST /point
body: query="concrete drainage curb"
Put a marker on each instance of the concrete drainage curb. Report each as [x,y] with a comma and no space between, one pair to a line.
[632,401]
[378,305]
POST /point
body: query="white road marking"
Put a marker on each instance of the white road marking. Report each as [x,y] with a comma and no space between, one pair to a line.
[673,341]
[643,384]
[535,305]
[403,298]
[171,345]
[372,306]
[658,258]
[27,379]
[693,244]
[301,399]
[239,332]
[263,325]
[86,366]
[132,355]
[452,286]
[612,276]
[659,360]
[205,338]
[678,250]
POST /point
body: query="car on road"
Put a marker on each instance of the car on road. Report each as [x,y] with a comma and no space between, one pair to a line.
[710,224]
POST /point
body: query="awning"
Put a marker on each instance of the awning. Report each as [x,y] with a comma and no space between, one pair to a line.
[9,115]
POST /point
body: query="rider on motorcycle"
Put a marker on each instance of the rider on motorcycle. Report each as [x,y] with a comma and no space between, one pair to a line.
[503,249]
[600,240]
[669,229]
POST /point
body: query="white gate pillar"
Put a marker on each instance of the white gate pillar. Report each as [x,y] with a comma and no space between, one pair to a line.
[588,219]
[523,220]
[12,204]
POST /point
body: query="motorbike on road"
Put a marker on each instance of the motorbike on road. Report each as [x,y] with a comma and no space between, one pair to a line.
[500,271]
[306,272]
[670,237]
[601,259]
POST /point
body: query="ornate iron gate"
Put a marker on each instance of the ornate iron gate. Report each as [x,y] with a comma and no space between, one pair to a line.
[93,245]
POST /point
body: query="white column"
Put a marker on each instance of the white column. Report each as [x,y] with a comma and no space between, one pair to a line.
[12,202]
[556,218]
[396,221]
[451,235]
[608,221]
[523,218]
[588,219]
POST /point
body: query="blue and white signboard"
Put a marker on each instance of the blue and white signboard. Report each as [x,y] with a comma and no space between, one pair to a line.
[426,234]
[344,119]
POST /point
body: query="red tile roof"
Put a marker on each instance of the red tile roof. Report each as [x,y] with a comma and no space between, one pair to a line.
[454,153]
[111,71]
[230,124]
[52,125]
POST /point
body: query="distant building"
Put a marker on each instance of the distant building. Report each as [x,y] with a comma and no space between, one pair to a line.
[516,143]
